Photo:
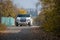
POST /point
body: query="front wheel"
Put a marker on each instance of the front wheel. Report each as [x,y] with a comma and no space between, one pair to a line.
[29,24]
[16,24]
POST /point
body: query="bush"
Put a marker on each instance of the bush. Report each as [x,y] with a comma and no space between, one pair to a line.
[50,16]
[2,27]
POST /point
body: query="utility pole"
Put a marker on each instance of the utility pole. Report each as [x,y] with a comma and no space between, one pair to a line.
[37,4]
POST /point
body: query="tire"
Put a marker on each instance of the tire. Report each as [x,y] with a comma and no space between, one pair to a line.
[21,25]
[16,24]
[29,24]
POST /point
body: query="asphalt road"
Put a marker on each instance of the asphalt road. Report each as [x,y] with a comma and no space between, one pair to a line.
[26,33]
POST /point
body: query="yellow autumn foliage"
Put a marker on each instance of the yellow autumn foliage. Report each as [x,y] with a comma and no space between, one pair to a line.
[22,11]
[7,9]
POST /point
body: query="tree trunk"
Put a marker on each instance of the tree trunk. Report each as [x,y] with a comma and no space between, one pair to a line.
[0,18]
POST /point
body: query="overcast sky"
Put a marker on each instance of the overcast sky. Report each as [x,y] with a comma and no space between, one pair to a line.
[25,3]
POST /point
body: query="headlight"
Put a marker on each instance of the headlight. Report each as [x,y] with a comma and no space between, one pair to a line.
[17,19]
[28,20]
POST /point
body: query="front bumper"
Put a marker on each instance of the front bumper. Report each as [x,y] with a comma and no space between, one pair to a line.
[22,23]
